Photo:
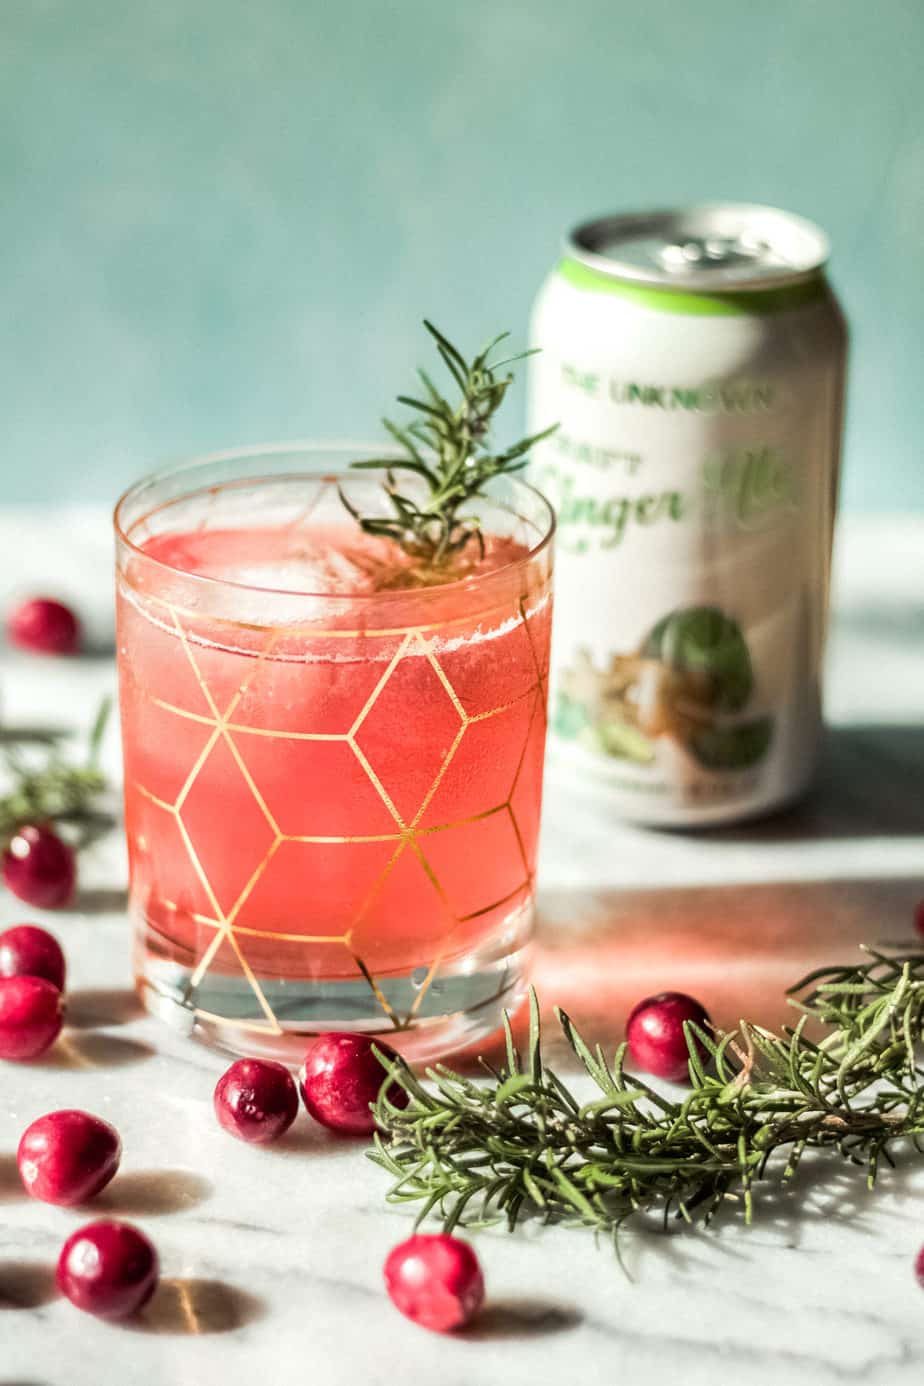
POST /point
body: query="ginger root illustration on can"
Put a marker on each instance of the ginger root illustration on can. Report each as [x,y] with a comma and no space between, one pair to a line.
[690,681]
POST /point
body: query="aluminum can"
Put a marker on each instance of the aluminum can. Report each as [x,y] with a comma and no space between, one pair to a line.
[695,362]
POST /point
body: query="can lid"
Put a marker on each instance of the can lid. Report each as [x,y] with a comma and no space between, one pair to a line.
[713,248]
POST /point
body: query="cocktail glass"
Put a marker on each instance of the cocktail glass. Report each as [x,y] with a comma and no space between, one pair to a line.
[333,774]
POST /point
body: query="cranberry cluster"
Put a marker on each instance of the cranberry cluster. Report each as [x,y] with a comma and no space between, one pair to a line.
[108,1268]
[435,1281]
[32,975]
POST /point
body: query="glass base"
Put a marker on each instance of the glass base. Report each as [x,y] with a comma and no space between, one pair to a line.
[462,1005]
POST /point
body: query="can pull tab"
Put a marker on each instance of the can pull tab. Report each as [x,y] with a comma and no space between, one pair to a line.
[716,252]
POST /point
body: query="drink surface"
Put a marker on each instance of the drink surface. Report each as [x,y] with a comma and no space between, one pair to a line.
[323,559]
[694,473]
[336,792]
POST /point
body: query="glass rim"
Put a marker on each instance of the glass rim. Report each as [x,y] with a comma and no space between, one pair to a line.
[311,446]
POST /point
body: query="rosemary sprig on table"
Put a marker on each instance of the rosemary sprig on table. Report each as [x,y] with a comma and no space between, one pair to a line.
[525,1144]
[55,790]
[447,447]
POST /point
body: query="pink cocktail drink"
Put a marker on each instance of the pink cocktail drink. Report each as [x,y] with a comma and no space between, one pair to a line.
[332,773]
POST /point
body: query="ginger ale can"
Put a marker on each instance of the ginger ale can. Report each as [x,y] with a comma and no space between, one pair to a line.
[694,361]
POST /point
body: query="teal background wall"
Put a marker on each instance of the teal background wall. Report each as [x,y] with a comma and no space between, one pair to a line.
[222,220]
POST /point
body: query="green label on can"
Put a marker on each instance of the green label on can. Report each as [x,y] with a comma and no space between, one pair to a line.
[664,300]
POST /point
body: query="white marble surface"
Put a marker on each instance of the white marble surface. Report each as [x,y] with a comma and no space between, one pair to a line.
[272,1259]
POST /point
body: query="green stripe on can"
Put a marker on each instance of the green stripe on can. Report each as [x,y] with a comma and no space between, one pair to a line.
[664,300]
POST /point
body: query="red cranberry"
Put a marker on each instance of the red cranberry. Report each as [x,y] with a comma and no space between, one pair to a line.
[44,626]
[40,868]
[256,1100]
[27,951]
[67,1157]
[31,1014]
[919,916]
[655,1033]
[919,1267]
[436,1281]
[340,1079]
[108,1268]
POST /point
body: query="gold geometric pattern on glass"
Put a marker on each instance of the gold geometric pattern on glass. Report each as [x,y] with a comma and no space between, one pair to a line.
[409,836]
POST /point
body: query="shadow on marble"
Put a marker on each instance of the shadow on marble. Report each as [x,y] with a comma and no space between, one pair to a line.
[869,785]
[149,1193]
[523,1318]
[26,1284]
[828,1189]
[193,1307]
[101,900]
[824,1190]
[308,1137]
[92,827]
[91,1049]
[93,1006]
[11,1189]
[99,647]
[737,948]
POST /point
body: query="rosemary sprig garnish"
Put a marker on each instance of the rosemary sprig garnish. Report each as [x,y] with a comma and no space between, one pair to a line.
[447,448]
[56,790]
[524,1143]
